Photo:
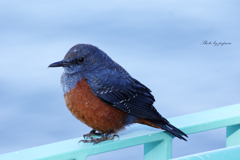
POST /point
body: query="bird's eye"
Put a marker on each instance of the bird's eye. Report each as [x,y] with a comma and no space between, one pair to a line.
[80,60]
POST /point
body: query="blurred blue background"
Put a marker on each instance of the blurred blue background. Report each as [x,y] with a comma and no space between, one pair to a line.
[157,42]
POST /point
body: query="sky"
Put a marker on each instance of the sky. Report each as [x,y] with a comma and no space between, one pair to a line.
[163,44]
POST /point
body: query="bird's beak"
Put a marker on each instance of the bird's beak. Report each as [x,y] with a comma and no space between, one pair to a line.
[58,64]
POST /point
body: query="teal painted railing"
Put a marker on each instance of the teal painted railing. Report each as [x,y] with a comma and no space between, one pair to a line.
[157,144]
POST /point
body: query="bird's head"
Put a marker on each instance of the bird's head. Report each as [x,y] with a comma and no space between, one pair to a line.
[82,58]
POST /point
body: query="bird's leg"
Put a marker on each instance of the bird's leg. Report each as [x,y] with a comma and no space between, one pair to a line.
[92,133]
[103,138]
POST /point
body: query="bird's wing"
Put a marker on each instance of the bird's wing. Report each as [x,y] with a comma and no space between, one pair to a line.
[121,91]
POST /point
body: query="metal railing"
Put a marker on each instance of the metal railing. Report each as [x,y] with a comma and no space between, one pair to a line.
[157,144]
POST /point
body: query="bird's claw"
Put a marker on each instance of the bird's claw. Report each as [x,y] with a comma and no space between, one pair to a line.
[97,140]
[92,133]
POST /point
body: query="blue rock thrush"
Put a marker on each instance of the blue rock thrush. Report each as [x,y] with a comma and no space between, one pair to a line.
[103,95]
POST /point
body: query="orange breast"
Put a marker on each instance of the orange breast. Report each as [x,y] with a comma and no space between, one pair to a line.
[89,109]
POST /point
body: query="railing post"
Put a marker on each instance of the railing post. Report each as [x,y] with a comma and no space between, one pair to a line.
[158,150]
[233,135]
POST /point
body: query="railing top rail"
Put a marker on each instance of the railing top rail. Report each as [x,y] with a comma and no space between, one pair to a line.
[135,135]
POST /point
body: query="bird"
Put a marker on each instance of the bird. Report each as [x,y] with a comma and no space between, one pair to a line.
[103,95]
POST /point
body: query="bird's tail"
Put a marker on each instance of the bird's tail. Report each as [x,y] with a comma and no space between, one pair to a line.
[165,125]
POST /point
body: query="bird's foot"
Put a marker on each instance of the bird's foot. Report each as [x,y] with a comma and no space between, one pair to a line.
[92,133]
[98,140]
